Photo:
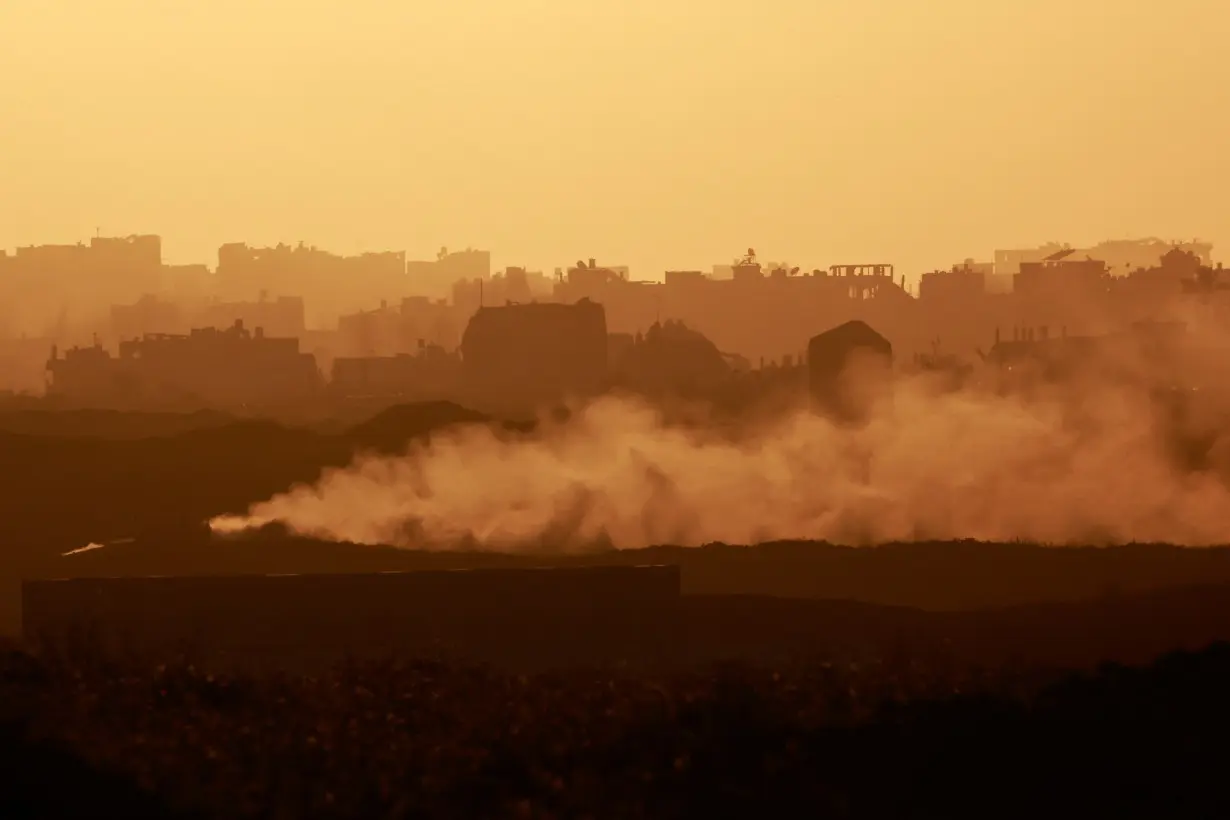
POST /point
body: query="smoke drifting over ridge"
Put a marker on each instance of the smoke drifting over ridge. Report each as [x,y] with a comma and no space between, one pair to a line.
[1092,463]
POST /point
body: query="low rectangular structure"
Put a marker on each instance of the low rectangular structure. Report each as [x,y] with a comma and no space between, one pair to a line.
[511,617]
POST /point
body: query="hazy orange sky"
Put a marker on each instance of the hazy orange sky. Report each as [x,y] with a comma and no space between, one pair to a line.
[654,133]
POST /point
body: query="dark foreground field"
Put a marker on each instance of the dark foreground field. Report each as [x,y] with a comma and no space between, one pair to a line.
[777,707]
[893,737]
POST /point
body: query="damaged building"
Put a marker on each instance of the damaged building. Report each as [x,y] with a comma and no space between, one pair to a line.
[229,368]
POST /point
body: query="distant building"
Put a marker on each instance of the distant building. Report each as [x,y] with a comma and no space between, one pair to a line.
[154,315]
[429,375]
[187,282]
[848,370]
[62,285]
[148,315]
[588,281]
[386,330]
[1037,352]
[755,313]
[435,278]
[867,281]
[375,332]
[124,257]
[1008,262]
[669,359]
[207,367]
[127,254]
[1166,278]
[685,277]
[515,284]
[465,264]
[432,321]
[283,317]
[524,357]
[326,280]
[964,282]
[1060,276]
[1122,256]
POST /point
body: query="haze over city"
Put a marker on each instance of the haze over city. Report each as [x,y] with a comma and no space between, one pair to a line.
[647,132]
[661,410]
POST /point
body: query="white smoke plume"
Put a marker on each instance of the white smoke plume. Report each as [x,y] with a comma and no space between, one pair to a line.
[1082,466]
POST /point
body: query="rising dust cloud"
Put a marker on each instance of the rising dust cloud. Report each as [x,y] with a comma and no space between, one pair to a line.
[1077,467]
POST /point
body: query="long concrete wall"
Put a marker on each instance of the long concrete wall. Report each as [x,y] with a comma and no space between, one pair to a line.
[512,617]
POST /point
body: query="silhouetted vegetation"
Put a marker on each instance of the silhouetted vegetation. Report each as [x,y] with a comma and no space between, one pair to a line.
[885,737]
[93,474]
